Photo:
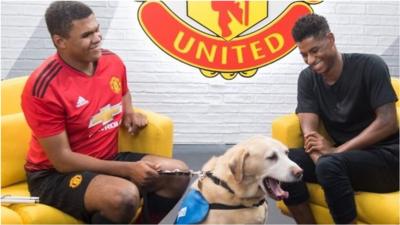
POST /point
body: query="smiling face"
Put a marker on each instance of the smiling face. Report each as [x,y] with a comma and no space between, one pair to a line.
[83,44]
[319,53]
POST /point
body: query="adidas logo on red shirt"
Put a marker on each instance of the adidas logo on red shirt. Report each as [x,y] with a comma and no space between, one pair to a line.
[81,102]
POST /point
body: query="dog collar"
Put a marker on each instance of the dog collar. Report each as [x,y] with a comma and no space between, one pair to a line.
[225,185]
[222,206]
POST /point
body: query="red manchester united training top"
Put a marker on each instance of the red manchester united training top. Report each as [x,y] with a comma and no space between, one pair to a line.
[89,109]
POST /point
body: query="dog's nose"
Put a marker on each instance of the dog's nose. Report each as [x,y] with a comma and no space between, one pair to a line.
[297,172]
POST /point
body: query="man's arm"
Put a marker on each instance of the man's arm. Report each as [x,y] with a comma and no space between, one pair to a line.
[131,120]
[309,122]
[385,124]
[64,160]
[127,103]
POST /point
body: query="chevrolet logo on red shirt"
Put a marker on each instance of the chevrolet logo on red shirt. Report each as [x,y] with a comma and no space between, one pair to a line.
[106,114]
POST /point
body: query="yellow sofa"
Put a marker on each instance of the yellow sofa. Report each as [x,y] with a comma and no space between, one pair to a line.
[372,208]
[155,139]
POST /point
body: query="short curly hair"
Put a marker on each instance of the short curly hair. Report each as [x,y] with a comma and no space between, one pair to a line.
[311,25]
[60,14]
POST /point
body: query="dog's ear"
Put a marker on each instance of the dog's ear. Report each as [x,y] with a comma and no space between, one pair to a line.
[236,164]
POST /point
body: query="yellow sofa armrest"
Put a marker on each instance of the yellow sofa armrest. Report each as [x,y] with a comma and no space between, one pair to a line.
[396,87]
[15,136]
[11,90]
[287,130]
[156,138]
[398,113]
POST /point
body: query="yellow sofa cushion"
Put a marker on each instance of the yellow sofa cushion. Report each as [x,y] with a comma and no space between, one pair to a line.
[19,189]
[42,214]
[35,213]
[8,216]
[375,208]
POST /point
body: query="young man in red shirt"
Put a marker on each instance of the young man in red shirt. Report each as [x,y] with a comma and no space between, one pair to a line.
[74,103]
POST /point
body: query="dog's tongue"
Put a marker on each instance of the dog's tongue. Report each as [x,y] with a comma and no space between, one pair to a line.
[276,189]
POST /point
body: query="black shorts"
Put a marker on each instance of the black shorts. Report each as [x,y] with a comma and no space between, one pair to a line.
[66,191]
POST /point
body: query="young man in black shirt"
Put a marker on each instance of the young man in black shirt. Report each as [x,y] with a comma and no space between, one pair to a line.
[351,94]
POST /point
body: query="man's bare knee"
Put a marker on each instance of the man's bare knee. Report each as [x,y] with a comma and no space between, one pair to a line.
[166,163]
[174,186]
[179,183]
[115,198]
[123,204]
[181,165]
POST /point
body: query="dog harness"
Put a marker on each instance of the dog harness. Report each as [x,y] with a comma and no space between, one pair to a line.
[194,207]
[201,174]
[217,181]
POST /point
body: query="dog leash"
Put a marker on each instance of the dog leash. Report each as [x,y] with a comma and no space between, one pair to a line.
[178,172]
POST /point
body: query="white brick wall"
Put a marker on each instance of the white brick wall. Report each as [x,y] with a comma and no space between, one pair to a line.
[213,111]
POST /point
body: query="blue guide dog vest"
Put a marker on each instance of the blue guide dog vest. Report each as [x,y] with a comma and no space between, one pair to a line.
[194,208]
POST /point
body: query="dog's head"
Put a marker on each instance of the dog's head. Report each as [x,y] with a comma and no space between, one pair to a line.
[258,165]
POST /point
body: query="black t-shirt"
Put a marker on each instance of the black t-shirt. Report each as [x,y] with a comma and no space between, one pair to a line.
[347,107]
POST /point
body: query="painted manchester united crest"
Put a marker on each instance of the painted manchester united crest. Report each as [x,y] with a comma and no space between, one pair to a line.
[234,42]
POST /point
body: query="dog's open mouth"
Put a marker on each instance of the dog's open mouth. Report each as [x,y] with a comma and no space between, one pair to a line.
[274,189]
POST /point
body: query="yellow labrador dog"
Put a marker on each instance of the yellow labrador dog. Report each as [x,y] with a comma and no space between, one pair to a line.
[234,186]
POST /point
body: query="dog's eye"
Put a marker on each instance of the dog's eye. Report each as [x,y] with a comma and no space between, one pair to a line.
[273,157]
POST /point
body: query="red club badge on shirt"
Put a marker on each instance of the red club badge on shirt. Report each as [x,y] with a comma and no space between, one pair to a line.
[115,85]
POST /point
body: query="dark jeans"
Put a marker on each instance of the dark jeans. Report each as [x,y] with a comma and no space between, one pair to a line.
[340,174]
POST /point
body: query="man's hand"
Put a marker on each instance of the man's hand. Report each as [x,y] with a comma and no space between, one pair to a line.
[315,142]
[134,122]
[144,173]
